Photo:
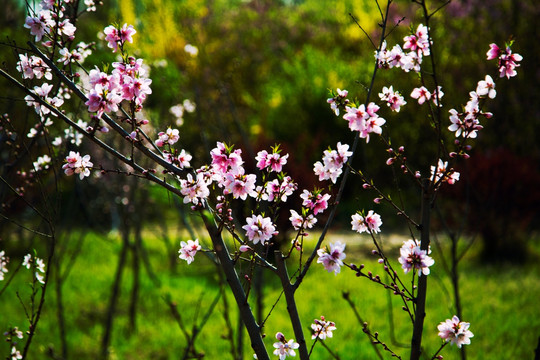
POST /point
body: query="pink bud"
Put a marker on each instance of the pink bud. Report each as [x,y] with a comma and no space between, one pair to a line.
[244,248]
[377,200]
[366,186]
[417,175]
[401,149]
[280,337]
[390,161]
[453,154]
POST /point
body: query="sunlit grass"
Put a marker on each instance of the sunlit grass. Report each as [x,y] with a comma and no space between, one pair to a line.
[499,302]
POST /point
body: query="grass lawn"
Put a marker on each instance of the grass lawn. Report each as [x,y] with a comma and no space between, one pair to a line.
[500,302]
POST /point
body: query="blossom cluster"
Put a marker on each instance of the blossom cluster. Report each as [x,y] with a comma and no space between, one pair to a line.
[467,123]
[45,22]
[322,328]
[441,173]
[34,263]
[43,93]
[12,333]
[332,258]
[77,164]
[338,100]
[271,161]
[118,36]
[189,250]
[393,99]
[422,95]
[128,81]
[418,45]
[414,258]
[455,331]
[364,119]
[33,67]
[333,160]
[370,223]
[4,260]
[507,61]
[259,229]
[284,348]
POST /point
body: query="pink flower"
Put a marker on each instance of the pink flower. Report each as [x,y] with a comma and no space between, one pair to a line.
[302,222]
[33,66]
[333,163]
[440,173]
[273,161]
[126,32]
[507,62]
[364,120]
[75,164]
[437,94]
[195,190]
[356,117]
[170,136]
[322,328]
[315,201]
[486,88]
[418,42]
[111,36]
[338,100]
[67,28]
[284,348]
[370,223]
[332,259]
[115,36]
[4,260]
[455,331]
[239,185]
[224,159]
[36,264]
[259,229]
[412,257]
[39,25]
[188,250]
[422,94]
[493,52]
[276,191]
[393,98]
[183,159]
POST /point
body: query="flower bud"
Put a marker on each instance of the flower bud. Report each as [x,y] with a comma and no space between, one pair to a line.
[244,248]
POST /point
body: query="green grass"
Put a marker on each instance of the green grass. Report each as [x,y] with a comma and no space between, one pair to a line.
[500,302]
